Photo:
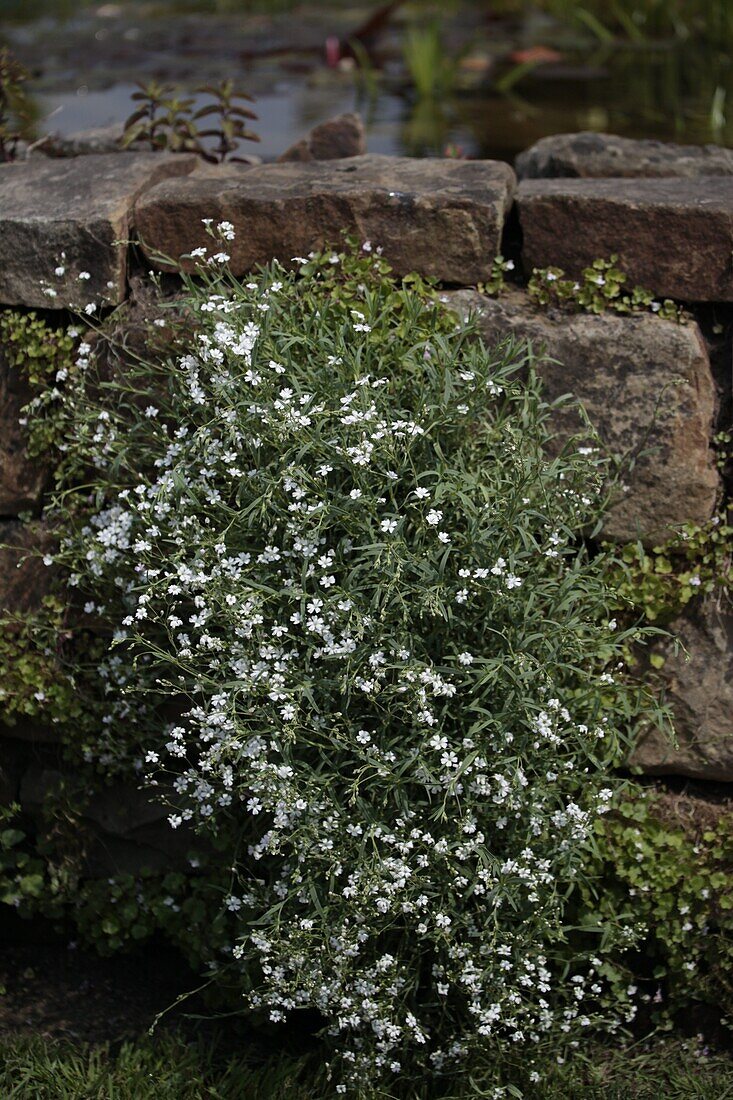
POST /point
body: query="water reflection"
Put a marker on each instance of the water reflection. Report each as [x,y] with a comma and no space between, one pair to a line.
[504,86]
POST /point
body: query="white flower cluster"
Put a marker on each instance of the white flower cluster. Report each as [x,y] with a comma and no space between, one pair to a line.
[329,539]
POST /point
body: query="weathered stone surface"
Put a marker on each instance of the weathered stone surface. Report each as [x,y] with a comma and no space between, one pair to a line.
[123,829]
[12,765]
[700,690]
[646,386]
[438,217]
[81,207]
[24,579]
[21,479]
[338,137]
[588,155]
[80,143]
[672,236]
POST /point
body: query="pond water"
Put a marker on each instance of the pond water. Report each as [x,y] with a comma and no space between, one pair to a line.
[86,57]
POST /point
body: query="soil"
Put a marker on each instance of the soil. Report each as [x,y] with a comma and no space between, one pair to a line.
[51,989]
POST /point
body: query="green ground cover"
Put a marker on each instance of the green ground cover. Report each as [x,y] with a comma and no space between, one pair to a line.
[171,1069]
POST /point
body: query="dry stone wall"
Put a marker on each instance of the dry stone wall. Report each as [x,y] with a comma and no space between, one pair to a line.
[646,383]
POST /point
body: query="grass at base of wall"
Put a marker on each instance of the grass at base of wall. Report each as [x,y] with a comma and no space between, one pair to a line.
[170,1069]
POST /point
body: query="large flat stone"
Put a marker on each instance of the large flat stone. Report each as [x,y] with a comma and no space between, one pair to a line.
[672,236]
[700,690]
[81,207]
[588,155]
[648,390]
[439,217]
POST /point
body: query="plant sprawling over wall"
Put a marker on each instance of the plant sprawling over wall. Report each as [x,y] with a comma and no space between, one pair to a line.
[356,642]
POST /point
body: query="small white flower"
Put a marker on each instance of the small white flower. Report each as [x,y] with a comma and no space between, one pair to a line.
[444,537]
[83,275]
[434,517]
[465,659]
[388,526]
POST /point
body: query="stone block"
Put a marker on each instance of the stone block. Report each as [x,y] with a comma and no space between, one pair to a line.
[24,579]
[123,829]
[82,143]
[439,217]
[81,207]
[588,155]
[338,137]
[22,479]
[699,685]
[647,388]
[672,236]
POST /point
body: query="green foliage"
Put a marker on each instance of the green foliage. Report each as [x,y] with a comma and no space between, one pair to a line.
[165,1068]
[166,120]
[433,72]
[169,1067]
[695,561]
[44,871]
[647,20]
[42,354]
[296,526]
[667,862]
[36,677]
[601,287]
[497,279]
[16,114]
[31,345]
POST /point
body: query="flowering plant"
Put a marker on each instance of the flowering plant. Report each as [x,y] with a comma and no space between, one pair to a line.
[358,643]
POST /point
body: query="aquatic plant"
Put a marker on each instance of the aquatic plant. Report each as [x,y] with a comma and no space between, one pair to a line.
[165,120]
[16,113]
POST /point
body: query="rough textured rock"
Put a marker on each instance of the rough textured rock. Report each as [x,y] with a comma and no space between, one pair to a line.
[439,217]
[588,155]
[338,137]
[701,692]
[13,761]
[123,830]
[24,579]
[81,207]
[98,139]
[672,236]
[646,386]
[21,479]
